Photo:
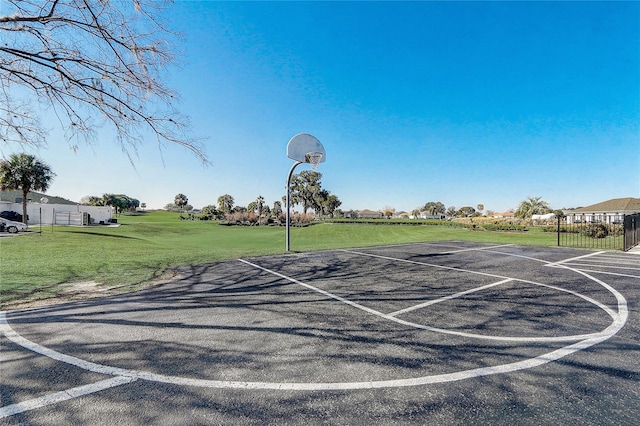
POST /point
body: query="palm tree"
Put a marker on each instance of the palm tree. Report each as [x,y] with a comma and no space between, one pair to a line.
[260,204]
[531,206]
[111,201]
[181,200]
[25,172]
[225,203]
[277,209]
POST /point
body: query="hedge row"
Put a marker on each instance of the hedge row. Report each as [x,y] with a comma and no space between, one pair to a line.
[410,222]
[504,226]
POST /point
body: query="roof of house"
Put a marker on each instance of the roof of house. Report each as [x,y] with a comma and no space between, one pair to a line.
[370,212]
[615,205]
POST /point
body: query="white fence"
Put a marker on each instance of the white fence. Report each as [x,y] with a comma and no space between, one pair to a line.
[69,218]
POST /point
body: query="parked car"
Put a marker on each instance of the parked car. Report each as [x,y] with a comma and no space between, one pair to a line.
[11,215]
[11,226]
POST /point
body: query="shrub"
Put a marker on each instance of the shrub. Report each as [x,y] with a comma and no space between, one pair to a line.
[301,219]
[241,218]
[503,227]
[563,229]
[595,230]
[209,213]
[616,230]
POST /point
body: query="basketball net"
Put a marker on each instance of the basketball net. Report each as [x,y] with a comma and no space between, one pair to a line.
[314,159]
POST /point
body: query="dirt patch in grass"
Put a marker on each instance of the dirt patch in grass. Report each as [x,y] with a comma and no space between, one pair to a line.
[73,292]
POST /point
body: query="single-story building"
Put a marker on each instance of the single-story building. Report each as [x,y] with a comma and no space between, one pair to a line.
[369,214]
[610,211]
[61,214]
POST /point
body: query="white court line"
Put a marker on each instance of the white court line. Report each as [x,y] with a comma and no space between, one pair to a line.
[521,256]
[612,261]
[445,298]
[571,338]
[54,398]
[552,264]
[415,262]
[369,384]
[12,335]
[619,255]
[601,272]
[596,265]
[559,264]
[475,249]
[316,289]
[432,244]
[609,311]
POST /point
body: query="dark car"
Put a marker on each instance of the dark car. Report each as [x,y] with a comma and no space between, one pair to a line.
[10,215]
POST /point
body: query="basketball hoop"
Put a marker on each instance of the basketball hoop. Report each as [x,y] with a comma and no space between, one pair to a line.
[302,148]
[313,158]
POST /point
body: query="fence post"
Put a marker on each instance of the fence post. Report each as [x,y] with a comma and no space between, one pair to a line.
[624,233]
[559,218]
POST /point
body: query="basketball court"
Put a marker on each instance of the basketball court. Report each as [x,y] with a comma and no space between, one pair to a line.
[445,333]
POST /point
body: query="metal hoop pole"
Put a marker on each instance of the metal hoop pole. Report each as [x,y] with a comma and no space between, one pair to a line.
[288,212]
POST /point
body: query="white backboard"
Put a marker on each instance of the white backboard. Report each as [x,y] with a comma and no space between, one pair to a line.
[302,144]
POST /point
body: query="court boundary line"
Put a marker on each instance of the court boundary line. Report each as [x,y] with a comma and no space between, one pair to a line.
[608,310]
[475,249]
[356,305]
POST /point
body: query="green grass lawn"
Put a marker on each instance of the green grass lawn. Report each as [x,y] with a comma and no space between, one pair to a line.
[39,265]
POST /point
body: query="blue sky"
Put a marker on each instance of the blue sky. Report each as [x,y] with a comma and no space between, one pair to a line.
[457,102]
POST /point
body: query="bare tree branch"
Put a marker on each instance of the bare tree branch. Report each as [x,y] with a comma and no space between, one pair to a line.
[94,63]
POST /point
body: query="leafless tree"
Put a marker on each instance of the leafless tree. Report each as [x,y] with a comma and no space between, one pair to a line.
[93,63]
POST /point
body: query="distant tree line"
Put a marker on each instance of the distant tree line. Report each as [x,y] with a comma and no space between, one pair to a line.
[526,209]
[436,208]
[120,202]
[306,191]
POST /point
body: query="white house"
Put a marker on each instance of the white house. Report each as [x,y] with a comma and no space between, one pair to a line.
[61,214]
[610,211]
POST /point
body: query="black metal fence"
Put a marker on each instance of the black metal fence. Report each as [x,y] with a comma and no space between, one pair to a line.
[604,231]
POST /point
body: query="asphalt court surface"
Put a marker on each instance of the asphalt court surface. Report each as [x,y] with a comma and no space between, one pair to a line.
[446,333]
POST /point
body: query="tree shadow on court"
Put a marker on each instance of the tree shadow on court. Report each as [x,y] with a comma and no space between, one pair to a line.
[232,322]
